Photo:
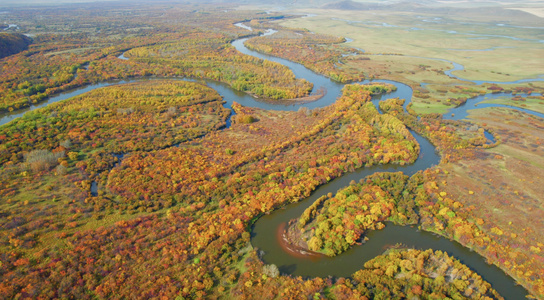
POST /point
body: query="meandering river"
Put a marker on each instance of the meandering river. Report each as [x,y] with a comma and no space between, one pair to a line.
[264,231]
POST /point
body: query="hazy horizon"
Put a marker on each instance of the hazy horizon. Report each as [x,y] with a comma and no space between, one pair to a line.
[310,2]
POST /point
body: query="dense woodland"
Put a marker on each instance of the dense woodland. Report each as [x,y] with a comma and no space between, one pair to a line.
[138,190]
[12,43]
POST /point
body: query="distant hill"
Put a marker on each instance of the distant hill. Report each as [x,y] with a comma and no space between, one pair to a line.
[349,5]
[496,13]
[353,5]
[12,43]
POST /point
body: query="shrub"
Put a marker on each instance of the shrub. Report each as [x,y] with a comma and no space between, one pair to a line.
[41,160]
[245,119]
[271,270]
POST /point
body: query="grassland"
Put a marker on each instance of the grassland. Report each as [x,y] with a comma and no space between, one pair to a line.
[477,46]
[415,48]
